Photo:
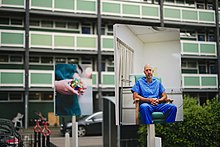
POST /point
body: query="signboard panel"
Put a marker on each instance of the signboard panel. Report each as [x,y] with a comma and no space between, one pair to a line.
[75,100]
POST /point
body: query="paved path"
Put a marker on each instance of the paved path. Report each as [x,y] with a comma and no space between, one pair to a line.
[88,141]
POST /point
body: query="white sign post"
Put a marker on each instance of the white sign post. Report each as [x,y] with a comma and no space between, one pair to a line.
[74,132]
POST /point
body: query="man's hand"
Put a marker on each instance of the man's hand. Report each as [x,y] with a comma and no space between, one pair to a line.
[64,87]
[154,101]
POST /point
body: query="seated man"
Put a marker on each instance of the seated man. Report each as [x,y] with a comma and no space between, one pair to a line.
[152,96]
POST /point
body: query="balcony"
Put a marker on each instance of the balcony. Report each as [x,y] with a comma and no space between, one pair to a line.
[200,81]
[198,48]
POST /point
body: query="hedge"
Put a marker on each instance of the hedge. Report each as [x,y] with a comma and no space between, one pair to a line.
[200,128]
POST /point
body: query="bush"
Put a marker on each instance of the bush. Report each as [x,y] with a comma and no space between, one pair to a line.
[201,126]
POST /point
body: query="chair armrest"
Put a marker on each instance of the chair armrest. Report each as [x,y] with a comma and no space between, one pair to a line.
[169,100]
[136,100]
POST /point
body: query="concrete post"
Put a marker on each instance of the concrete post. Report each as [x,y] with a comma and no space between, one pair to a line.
[74,132]
[151,135]
[67,139]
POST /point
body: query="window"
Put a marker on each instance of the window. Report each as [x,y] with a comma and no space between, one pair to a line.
[190,2]
[169,1]
[86,61]
[16,22]
[202,69]
[192,64]
[34,96]
[179,1]
[73,25]
[184,64]
[73,61]
[103,66]
[213,69]
[15,58]
[110,30]
[47,60]
[110,65]
[60,24]
[211,37]
[188,35]
[4,96]
[47,24]
[86,29]
[47,96]
[200,5]
[15,96]
[34,60]
[4,58]
[4,21]
[156,1]
[35,23]
[201,37]
[210,7]
[41,96]
[103,30]
[60,60]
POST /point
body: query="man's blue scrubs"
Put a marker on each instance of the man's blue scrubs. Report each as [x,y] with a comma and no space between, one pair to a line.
[153,90]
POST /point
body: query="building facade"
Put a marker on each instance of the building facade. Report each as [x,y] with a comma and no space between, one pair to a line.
[37,34]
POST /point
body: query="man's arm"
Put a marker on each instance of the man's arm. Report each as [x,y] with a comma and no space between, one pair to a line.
[163,99]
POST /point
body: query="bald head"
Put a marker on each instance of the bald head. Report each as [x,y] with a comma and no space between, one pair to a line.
[148,66]
[148,71]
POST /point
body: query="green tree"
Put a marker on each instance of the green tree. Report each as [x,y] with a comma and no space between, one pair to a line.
[201,126]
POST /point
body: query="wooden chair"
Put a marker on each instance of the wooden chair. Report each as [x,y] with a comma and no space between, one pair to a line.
[157,117]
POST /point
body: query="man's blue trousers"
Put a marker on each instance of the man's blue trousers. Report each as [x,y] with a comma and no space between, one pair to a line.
[146,110]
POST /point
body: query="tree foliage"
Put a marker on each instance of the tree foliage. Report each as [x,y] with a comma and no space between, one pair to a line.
[201,126]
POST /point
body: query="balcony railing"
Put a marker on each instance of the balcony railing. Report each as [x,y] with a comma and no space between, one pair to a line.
[200,81]
[48,40]
[13,3]
[63,41]
[107,79]
[107,43]
[129,9]
[41,78]
[199,48]
[12,78]
[76,6]
[16,78]
[12,38]
[189,15]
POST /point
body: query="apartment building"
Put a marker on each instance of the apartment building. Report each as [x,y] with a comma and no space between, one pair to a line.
[37,34]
